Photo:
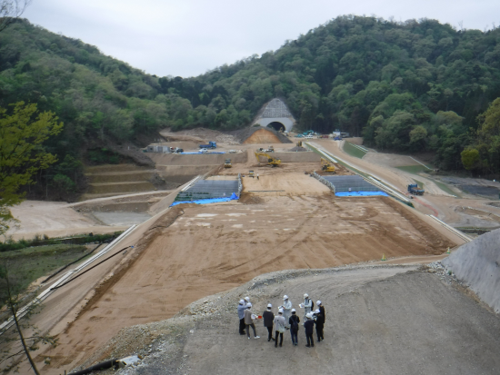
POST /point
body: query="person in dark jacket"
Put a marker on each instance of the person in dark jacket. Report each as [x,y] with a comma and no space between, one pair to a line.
[294,326]
[319,324]
[322,309]
[309,327]
[268,321]
[242,306]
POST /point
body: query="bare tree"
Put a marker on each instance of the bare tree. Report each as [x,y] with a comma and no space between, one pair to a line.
[13,299]
[10,10]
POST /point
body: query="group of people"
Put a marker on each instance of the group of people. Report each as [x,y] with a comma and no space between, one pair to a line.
[286,319]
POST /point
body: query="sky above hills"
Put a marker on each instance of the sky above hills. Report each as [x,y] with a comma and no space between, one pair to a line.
[189,37]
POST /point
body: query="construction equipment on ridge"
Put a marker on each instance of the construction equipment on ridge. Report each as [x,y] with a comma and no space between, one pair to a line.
[326,166]
[273,162]
[227,163]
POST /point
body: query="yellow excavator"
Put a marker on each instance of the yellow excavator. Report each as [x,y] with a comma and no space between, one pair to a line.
[273,162]
[326,166]
[299,144]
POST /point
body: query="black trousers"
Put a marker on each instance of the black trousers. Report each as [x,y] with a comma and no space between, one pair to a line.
[242,326]
[281,338]
[269,333]
[310,339]
[319,332]
[248,329]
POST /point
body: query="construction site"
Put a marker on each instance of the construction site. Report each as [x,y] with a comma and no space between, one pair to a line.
[406,288]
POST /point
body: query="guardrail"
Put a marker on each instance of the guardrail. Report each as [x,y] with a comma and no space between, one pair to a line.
[451,229]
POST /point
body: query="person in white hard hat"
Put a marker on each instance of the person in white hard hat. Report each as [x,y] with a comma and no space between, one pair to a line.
[279,327]
[322,311]
[247,300]
[242,306]
[268,321]
[249,322]
[309,327]
[307,304]
[294,321]
[287,307]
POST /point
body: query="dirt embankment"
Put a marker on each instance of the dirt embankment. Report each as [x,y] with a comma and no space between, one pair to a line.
[216,248]
[262,136]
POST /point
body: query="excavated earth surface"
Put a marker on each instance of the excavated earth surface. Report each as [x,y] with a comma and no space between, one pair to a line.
[209,249]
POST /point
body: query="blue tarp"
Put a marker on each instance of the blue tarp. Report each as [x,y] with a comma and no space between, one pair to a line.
[361,194]
[208,201]
[202,153]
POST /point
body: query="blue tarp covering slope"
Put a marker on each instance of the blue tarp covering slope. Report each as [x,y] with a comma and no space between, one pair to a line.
[208,201]
[361,194]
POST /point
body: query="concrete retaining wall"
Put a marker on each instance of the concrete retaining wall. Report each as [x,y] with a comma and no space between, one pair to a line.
[477,263]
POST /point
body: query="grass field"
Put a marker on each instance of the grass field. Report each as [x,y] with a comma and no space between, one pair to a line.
[353,150]
[446,189]
[414,169]
[27,265]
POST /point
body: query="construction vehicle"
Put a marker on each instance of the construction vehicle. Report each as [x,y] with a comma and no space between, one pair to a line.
[227,163]
[251,173]
[209,145]
[413,189]
[273,162]
[326,166]
[299,144]
[270,149]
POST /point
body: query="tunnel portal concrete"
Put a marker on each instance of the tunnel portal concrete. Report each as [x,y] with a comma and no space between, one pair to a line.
[275,114]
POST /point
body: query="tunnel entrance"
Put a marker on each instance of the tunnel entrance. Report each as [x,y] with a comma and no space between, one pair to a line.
[278,126]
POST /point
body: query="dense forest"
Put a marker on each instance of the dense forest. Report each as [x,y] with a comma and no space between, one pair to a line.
[405,86]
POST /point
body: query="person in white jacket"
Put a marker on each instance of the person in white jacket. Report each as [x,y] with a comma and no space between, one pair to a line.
[287,308]
[279,327]
[307,304]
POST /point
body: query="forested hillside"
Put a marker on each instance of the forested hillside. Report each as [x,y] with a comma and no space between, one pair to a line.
[406,87]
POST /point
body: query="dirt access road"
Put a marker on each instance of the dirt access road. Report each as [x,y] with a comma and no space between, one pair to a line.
[209,249]
[379,320]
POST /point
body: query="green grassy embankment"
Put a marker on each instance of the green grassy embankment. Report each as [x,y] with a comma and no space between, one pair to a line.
[353,150]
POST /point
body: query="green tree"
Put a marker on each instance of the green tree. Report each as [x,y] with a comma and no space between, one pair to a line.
[470,158]
[22,133]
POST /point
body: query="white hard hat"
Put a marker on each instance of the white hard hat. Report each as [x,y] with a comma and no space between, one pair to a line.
[306,295]
[293,310]
[285,297]
[241,302]
[247,299]
[317,311]
[318,302]
[249,304]
[309,315]
[269,305]
[280,311]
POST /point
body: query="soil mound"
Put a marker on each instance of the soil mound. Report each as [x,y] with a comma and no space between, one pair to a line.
[298,149]
[477,264]
[258,134]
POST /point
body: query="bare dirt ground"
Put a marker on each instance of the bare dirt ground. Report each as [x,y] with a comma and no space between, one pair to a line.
[285,220]
[209,249]
[54,219]
[379,320]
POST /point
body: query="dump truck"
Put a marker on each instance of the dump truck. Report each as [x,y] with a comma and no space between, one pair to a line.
[326,166]
[273,162]
[414,190]
[209,145]
[227,163]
